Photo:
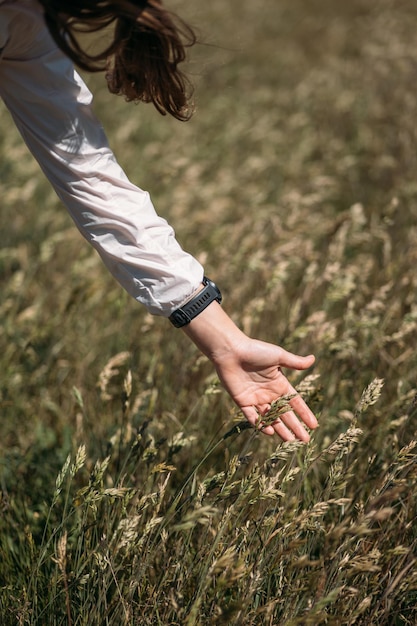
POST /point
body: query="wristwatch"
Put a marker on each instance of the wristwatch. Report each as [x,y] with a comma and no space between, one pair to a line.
[182,316]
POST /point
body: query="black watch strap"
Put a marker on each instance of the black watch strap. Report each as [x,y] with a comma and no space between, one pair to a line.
[193,307]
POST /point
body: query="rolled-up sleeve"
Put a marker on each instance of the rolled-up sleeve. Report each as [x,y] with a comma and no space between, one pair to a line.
[51,107]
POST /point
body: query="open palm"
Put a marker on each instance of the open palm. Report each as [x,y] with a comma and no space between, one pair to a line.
[253,377]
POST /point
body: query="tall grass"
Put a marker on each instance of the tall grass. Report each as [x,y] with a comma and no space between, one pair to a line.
[131,491]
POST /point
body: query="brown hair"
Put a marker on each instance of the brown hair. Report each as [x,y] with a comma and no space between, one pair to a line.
[142,58]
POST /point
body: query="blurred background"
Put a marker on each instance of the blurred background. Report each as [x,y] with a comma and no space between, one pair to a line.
[294,184]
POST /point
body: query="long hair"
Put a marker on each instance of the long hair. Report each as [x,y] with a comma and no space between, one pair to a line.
[141,60]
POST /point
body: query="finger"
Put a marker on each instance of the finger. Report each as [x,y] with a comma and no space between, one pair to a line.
[303,410]
[280,428]
[295,361]
[270,429]
[293,425]
[252,415]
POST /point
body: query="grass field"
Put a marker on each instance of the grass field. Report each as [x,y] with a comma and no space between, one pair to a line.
[130,492]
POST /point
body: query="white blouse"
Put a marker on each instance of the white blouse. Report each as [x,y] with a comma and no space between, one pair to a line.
[51,107]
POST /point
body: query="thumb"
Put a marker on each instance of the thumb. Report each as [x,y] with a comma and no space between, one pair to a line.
[295,361]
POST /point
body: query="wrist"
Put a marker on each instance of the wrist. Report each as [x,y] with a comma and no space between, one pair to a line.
[204,296]
[215,333]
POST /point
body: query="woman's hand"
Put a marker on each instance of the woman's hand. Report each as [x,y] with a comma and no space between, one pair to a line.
[250,370]
[253,377]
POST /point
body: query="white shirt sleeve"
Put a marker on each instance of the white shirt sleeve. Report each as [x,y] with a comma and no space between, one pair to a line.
[51,107]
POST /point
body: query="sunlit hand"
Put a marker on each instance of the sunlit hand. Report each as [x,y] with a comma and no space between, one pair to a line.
[250,370]
[253,377]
